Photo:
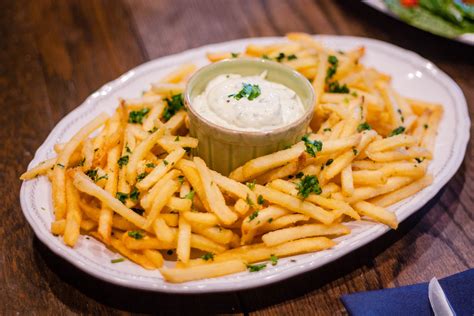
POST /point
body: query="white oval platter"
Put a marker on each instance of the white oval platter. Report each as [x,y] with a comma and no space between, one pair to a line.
[412,75]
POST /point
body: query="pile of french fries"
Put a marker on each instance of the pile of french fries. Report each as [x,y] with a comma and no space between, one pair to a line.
[130,181]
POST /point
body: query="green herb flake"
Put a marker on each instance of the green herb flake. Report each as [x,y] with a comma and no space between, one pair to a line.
[332,68]
[60,165]
[256,267]
[327,129]
[363,126]
[425,126]
[123,161]
[253,216]
[136,234]
[234,55]
[176,139]
[165,162]
[355,151]
[307,185]
[117,260]
[127,149]
[181,179]
[190,195]
[265,57]
[280,57]
[249,91]
[150,165]
[334,87]
[121,196]
[399,130]
[92,173]
[173,105]
[312,146]
[81,163]
[329,162]
[135,194]
[208,256]
[154,129]
[274,260]
[251,185]
[260,200]
[141,176]
[270,220]
[355,94]
[136,117]
[420,160]
[292,57]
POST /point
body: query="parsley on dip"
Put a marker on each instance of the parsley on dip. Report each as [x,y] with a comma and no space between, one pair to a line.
[248,103]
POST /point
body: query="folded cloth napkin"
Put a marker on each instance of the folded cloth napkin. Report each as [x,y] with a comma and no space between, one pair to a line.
[413,299]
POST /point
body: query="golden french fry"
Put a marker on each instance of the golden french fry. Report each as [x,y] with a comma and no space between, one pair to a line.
[161,199]
[162,231]
[183,249]
[309,230]
[212,270]
[160,170]
[376,212]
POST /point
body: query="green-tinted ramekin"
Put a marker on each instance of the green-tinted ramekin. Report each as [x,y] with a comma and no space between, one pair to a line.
[225,149]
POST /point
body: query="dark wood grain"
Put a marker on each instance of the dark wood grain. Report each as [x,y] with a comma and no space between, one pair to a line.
[53,54]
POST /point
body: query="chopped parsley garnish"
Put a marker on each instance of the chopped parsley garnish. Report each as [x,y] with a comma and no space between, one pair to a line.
[249,91]
[251,185]
[397,131]
[141,176]
[134,194]
[270,220]
[327,129]
[207,256]
[291,57]
[117,260]
[81,163]
[363,126]
[334,87]
[299,175]
[274,260]
[176,139]
[256,267]
[420,160]
[308,185]
[154,129]
[330,161]
[249,201]
[123,161]
[60,165]
[355,151]
[190,195]
[253,216]
[181,179]
[234,55]
[165,162]
[127,149]
[354,94]
[136,234]
[150,165]
[312,146]
[174,104]
[121,196]
[136,117]
[260,200]
[280,57]
[425,126]
[332,68]
[92,173]
[139,211]
[265,57]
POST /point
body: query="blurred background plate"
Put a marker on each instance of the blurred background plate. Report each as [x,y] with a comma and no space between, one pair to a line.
[427,22]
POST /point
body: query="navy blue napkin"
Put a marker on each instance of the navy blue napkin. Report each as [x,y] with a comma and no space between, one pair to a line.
[413,299]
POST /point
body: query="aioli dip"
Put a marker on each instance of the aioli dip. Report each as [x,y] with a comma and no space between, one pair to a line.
[248,103]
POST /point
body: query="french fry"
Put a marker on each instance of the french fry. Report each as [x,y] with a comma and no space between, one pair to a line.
[73,216]
[170,143]
[347,181]
[163,231]
[234,188]
[160,170]
[58,227]
[204,219]
[183,250]
[309,230]
[294,204]
[39,170]
[376,212]
[212,270]
[161,199]
[59,173]
[213,194]
[400,194]
[251,223]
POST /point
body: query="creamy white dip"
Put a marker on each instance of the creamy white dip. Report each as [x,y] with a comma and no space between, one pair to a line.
[248,103]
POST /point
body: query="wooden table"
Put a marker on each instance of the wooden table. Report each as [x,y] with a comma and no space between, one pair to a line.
[53,54]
